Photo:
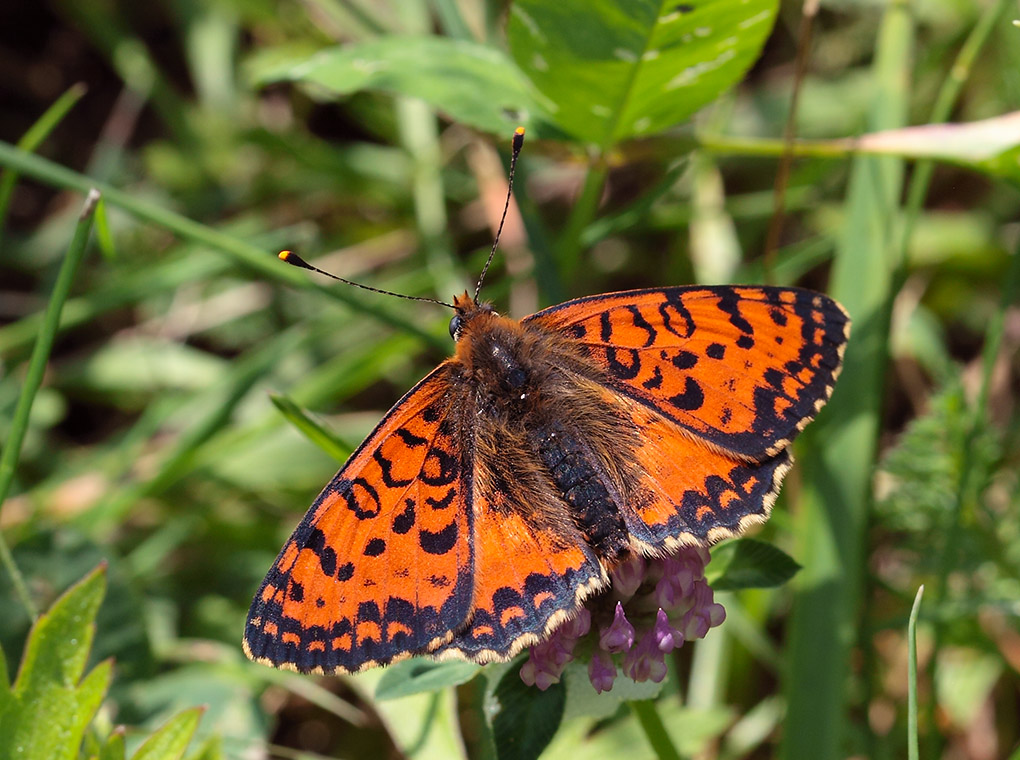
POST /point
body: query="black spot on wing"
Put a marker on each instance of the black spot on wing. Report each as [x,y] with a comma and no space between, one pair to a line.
[692,397]
[440,542]
[404,521]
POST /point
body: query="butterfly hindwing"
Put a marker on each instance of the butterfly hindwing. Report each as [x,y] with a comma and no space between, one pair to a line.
[380,567]
[527,580]
[743,368]
[689,492]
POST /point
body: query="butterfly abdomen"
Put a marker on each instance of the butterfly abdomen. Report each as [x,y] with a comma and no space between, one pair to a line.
[583,487]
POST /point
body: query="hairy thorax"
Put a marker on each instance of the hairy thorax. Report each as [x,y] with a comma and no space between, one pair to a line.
[553,450]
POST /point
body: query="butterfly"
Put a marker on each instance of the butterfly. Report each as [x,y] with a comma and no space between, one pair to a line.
[501,490]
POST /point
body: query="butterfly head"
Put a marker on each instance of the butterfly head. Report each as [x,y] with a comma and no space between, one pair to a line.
[466,309]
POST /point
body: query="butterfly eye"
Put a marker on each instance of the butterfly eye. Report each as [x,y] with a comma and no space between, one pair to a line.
[455,324]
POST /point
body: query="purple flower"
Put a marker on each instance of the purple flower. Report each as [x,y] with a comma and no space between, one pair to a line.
[619,635]
[601,671]
[628,576]
[645,662]
[667,638]
[623,630]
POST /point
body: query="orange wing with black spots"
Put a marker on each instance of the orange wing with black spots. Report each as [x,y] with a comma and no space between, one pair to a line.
[527,581]
[380,567]
[688,492]
[743,368]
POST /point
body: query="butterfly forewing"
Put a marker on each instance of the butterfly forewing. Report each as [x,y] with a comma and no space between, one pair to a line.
[743,368]
[381,564]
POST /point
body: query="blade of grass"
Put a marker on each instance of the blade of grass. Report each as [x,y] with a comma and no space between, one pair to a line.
[655,730]
[840,449]
[310,428]
[242,252]
[912,745]
[34,378]
[33,138]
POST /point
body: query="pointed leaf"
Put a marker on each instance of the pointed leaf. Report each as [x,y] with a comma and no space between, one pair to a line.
[748,563]
[210,750]
[622,68]
[172,738]
[44,718]
[90,695]
[114,747]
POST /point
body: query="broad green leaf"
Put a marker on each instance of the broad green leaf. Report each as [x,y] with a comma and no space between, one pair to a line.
[748,563]
[171,739]
[525,719]
[415,676]
[623,68]
[44,715]
[472,83]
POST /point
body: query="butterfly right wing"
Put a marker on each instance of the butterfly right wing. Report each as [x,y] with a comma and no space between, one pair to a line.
[380,567]
[744,368]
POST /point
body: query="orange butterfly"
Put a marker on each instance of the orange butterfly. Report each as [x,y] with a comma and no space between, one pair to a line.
[499,492]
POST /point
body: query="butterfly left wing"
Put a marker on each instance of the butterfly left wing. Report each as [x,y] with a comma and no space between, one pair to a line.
[743,368]
[380,567]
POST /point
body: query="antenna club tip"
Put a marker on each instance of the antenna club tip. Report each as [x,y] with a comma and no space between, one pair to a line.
[284,255]
[518,138]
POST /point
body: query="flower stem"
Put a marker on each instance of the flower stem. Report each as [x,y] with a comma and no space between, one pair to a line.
[655,730]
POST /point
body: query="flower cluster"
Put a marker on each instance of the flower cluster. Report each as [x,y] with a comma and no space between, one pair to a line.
[652,608]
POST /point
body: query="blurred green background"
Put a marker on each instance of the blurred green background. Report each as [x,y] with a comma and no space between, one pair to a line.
[373,138]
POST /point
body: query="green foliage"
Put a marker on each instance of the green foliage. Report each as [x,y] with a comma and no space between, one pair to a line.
[416,676]
[747,563]
[524,722]
[198,394]
[617,70]
[44,714]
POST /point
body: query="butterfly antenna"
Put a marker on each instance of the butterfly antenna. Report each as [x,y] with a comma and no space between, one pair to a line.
[518,143]
[292,258]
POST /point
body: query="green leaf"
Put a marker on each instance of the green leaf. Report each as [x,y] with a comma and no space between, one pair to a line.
[44,715]
[416,676]
[748,563]
[171,739]
[623,68]
[210,750]
[525,719]
[472,83]
[114,747]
